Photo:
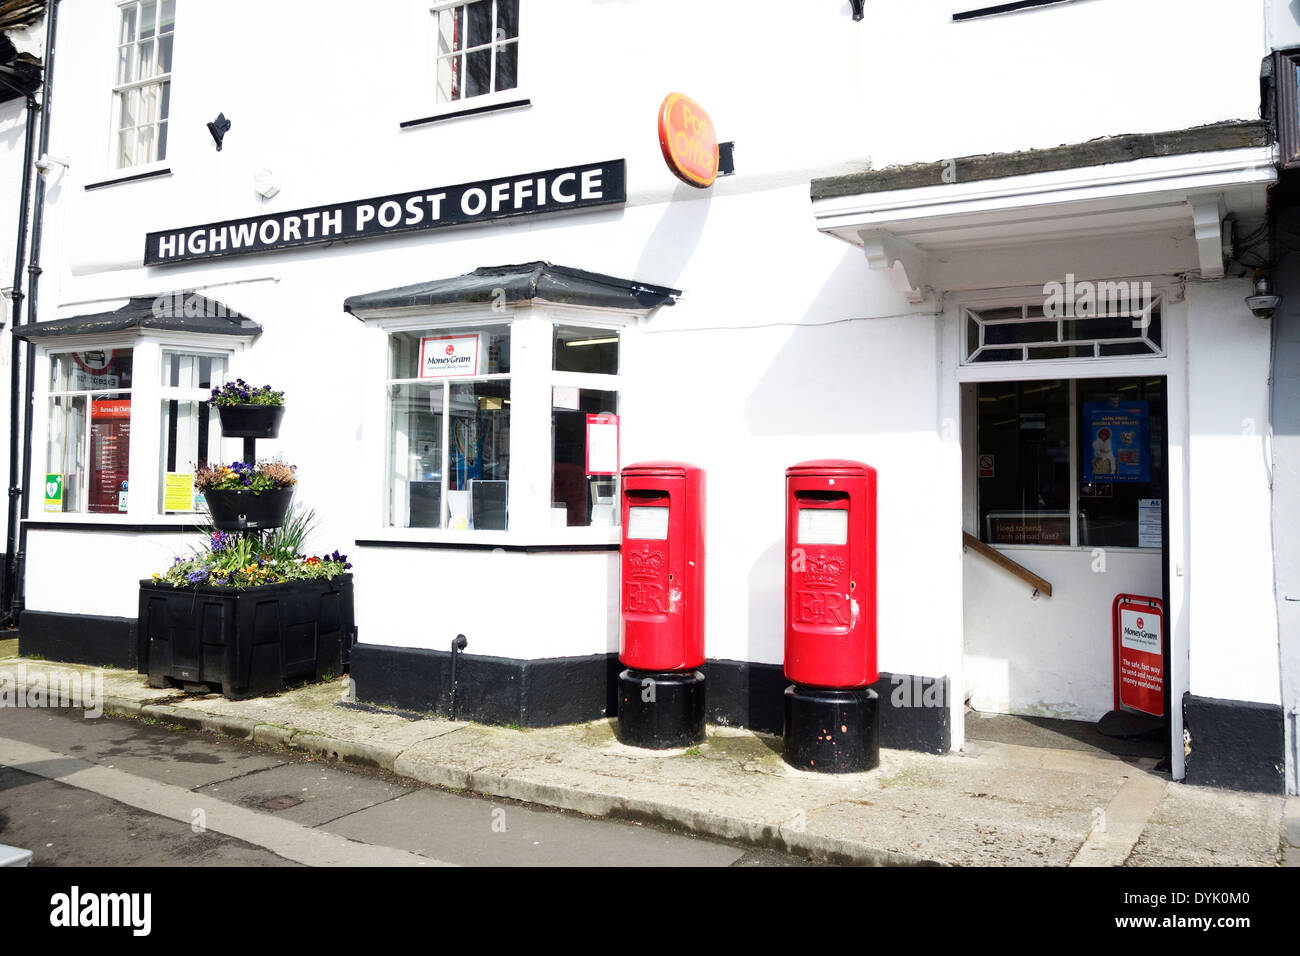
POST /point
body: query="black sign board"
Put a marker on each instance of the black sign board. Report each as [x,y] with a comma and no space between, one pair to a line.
[549,191]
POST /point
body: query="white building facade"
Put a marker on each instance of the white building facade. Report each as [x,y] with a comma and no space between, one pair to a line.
[904,269]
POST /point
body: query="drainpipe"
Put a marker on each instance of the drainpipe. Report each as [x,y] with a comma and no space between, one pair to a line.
[33,281]
[11,538]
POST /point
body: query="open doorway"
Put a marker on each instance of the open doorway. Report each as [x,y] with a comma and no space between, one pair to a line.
[1067,479]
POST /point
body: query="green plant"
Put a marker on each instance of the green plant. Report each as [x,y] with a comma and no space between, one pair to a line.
[255,558]
[263,476]
[240,392]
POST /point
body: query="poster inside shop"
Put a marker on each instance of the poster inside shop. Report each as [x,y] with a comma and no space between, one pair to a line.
[110,440]
[1117,441]
[178,491]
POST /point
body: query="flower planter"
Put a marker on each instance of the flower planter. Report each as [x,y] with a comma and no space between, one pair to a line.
[250,421]
[250,641]
[245,511]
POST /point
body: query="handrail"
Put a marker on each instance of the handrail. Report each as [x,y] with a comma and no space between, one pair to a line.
[1001,560]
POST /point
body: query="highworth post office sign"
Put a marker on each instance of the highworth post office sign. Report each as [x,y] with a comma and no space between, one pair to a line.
[552,190]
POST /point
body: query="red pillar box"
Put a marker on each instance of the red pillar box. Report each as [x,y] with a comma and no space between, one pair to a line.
[831,714]
[661,702]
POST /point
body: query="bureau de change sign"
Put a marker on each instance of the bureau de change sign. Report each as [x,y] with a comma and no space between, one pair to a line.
[548,191]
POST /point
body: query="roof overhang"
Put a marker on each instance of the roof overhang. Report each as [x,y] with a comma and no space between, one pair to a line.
[912,229]
[170,312]
[516,284]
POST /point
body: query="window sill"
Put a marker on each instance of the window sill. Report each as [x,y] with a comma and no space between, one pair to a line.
[559,539]
[130,177]
[459,111]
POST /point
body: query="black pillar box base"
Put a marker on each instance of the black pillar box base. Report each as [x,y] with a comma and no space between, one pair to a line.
[832,731]
[660,710]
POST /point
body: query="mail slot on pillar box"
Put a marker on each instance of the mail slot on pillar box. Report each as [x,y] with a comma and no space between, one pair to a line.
[830,574]
[663,567]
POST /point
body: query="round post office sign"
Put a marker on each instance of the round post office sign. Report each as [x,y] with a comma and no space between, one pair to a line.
[688,140]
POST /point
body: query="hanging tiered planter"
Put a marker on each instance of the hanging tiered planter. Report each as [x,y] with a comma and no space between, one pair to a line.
[248,612]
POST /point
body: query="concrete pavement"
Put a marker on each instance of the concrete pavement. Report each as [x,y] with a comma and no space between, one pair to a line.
[994,804]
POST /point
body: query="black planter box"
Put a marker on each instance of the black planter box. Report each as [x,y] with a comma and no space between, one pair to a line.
[245,511]
[250,641]
[250,421]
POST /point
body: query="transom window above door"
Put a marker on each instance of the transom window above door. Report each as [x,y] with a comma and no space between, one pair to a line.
[1080,321]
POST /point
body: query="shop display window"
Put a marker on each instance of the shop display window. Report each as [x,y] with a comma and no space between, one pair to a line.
[190,427]
[449,428]
[1077,462]
[87,458]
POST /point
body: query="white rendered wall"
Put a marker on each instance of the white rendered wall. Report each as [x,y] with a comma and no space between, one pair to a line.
[1048,656]
[1234,649]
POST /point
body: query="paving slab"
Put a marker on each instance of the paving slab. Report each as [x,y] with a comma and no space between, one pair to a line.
[1204,826]
[497,834]
[110,833]
[314,709]
[135,748]
[308,793]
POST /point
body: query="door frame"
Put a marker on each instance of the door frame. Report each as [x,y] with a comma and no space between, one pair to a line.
[957,397]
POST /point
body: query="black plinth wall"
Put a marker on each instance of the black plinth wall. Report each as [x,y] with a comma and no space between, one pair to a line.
[832,731]
[250,641]
[660,710]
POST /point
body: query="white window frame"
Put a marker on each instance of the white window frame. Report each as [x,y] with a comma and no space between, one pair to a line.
[144,506]
[1169,294]
[1031,312]
[532,377]
[445,438]
[182,393]
[428,102]
[115,113]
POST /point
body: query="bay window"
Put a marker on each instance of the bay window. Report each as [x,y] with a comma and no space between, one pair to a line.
[457,396]
[121,426]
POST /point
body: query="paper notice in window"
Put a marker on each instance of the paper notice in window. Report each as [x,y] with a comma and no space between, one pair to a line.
[602,444]
[1149,530]
[178,491]
[565,397]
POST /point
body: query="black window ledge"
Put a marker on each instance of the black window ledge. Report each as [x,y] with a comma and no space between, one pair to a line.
[151,174]
[468,111]
[1014,6]
[119,527]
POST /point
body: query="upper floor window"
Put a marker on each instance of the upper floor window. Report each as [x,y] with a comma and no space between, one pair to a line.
[142,90]
[478,48]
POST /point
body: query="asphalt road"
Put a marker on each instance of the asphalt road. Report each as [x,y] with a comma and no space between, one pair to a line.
[126,792]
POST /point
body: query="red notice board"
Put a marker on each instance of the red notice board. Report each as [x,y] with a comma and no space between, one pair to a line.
[1139,644]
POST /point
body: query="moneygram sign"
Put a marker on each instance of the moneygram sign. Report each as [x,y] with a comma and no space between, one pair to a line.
[449,356]
[527,194]
[1139,654]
